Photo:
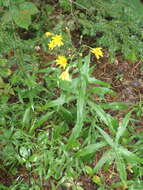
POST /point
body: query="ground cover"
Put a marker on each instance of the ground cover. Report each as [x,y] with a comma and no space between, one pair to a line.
[71,89]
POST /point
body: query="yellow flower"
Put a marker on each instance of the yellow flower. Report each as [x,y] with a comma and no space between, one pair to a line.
[65,75]
[57,40]
[51,44]
[97,52]
[61,61]
[47,34]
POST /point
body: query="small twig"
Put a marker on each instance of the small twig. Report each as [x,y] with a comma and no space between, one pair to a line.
[135,67]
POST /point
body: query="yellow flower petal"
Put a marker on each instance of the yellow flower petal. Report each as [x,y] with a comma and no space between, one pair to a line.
[65,75]
[61,61]
[51,44]
[57,39]
[97,52]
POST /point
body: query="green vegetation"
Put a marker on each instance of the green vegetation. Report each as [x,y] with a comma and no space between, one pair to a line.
[57,127]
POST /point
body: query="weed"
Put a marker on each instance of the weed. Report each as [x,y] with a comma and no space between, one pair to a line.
[52,131]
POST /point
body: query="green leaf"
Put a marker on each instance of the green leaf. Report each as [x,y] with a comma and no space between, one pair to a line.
[107,138]
[22,14]
[115,106]
[66,115]
[80,110]
[24,152]
[26,117]
[43,119]
[3,62]
[84,70]
[88,170]
[106,118]
[79,187]
[121,167]
[108,156]
[2,83]
[129,156]
[33,158]
[21,19]
[65,5]
[95,81]
[58,102]
[96,179]
[101,91]
[28,8]
[92,148]
[122,128]
[5,89]
[3,187]
[81,100]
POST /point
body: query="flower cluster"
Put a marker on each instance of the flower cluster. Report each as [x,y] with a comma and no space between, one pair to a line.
[61,61]
[57,41]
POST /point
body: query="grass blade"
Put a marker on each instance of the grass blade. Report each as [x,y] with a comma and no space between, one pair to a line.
[58,102]
[43,119]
